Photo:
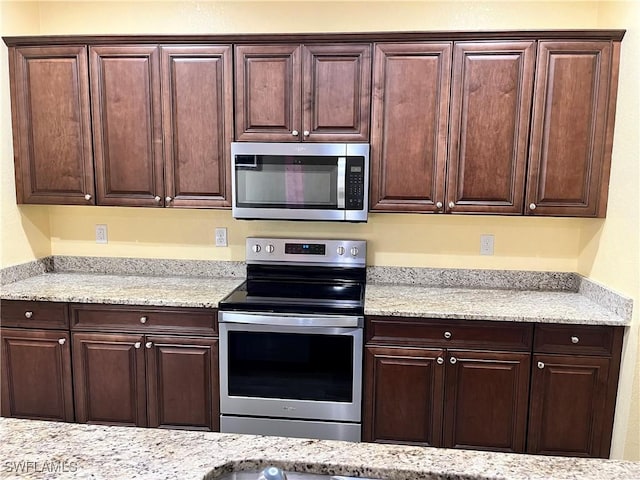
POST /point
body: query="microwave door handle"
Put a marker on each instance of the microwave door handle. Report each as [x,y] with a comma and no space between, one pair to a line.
[342,174]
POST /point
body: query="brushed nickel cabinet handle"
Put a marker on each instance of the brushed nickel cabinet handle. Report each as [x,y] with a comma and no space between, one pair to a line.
[575,339]
[540,365]
[143,319]
[62,341]
[157,198]
[148,344]
[439,360]
[532,206]
[137,345]
[294,133]
[452,204]
[438,204]
[453,360]
[87,197]
[28,314]
[447,335]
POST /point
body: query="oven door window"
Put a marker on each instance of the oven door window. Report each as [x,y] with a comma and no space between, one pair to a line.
[291,366]
[271,181]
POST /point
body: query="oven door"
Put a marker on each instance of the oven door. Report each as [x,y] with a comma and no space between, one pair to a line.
[291,366]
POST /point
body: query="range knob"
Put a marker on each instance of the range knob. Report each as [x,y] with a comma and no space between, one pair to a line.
[269,248]
[354,251]
[256,248]
[340,250]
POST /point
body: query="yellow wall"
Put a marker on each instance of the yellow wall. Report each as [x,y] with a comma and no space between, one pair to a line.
[610,253]
[607,250]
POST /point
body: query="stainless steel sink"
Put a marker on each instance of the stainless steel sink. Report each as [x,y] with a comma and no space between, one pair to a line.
[268,474]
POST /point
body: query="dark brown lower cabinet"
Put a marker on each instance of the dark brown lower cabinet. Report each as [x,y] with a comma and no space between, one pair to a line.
[36,374]
[145,380]
[403,395]
[462,399]
[486,400]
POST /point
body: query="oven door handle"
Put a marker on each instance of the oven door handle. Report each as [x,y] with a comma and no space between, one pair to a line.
[286,320]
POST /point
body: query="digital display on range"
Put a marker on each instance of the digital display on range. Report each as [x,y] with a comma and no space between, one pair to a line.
[305,248]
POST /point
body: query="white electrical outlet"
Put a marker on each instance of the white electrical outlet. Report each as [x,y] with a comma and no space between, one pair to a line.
[486,244]
[101,234]
[221,237]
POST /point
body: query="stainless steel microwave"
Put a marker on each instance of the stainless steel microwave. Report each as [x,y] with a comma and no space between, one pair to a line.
[294,181]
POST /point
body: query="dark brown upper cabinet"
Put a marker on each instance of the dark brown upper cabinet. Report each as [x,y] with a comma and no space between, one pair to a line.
[489,128]
[312,93]
[410,115]
[572,129]
[197,112]
[51,125]
[127,124]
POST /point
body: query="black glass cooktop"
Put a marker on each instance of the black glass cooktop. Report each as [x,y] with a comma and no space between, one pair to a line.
[299,289]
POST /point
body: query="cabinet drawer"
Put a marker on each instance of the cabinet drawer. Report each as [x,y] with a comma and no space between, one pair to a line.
[126,318]
[26,314]
[579,339]
[408,331]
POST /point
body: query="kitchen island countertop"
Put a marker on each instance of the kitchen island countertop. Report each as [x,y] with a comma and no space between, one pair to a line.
[32,449]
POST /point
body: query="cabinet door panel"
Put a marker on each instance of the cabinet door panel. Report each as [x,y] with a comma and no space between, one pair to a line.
[268,86]
[568,161]
[486,400]
[490,112]
[109,379]
[403,396]
[182,376]
[410,114]
[198,111]
[52,125]
[337,89]
[567,405]
[36,374]
[125,87]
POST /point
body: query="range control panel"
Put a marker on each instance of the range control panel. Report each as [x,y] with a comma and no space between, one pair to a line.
[296,250]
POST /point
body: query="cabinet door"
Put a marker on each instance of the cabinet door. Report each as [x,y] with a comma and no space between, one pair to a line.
[182,376]
[268,85]
[569,157]
[197,103]
[52,125]
[568,395]
[36,374]
[109,379]
[127,134]
[486,400]
[403,390]
[337,92]
[409,126]
[490,112]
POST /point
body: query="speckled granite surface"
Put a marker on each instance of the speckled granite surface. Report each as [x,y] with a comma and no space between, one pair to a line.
[479,304]
[26,270]
[122,289]
[32,449]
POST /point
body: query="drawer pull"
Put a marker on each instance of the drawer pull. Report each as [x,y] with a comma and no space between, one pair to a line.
[148,344]
[137,345]
[575,339]
[143,319]
[453,360]
[62,341]
[540,365]
[439,360]
[447,335]
[28,314]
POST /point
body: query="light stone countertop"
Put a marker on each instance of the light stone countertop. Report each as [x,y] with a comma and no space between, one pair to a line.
[31,449]
[122,289]
[486,304]
[380,299]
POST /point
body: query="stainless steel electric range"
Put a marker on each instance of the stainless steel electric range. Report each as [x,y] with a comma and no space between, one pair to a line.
[291,339]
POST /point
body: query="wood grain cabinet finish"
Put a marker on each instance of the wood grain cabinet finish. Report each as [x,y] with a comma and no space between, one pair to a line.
[572,128]
[127,124]
[36,374]
[403,396]
[573,389]
[447,396]
[410,113]
[51,125]
[109,379]
[292,92]
[182,378]
[156,375]
[489,129]
[33,314]
[197,113]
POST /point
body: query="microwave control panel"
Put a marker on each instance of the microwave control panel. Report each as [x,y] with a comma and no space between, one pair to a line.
[355,183]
